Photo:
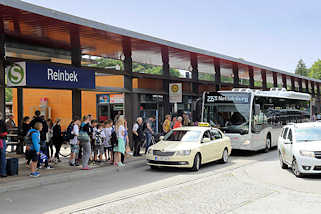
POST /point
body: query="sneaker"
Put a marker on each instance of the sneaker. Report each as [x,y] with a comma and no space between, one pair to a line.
[72,164]
[86,168]
[77,164]
[34,175]
[49,167]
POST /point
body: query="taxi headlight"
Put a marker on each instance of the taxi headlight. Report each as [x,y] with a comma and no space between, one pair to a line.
[150,151]
[307,153]
[183,152]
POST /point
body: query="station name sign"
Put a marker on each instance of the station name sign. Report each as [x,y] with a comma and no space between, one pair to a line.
[237,98]
[46,75]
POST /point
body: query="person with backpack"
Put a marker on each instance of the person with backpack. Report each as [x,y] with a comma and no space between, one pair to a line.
[57,138]
[99,138]
[86,129]
[33,147]
[43,137]
[138,136]
[3,137]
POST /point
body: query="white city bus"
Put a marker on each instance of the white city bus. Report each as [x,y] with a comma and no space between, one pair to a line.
[253,118]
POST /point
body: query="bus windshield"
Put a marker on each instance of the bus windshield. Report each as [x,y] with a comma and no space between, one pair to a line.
[230,111]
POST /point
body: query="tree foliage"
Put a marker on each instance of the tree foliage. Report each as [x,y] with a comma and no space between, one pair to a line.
[137,67]
[301,68]
[315,70]
[8,94]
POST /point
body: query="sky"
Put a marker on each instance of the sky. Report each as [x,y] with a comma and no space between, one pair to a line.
[274,33]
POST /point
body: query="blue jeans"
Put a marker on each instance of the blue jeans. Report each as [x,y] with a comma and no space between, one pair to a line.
[3,164]
[148,140]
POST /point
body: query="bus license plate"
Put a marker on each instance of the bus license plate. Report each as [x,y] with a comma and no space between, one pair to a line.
[161,158]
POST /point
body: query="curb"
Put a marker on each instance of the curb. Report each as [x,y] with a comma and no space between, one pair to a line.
[54,179]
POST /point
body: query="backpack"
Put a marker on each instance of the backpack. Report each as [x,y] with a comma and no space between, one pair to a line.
[68,134]
[98,139]
[113,139]
[28,140]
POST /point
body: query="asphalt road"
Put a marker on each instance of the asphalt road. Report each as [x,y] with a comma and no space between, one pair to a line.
[264,167]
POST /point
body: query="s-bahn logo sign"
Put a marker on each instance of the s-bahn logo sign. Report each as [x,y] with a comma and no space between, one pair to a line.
[16,74]
[49,75]
[175,92]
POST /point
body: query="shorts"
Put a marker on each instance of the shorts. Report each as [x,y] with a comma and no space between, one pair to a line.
[99,148]
[74,148]
[32,155]
[108,148]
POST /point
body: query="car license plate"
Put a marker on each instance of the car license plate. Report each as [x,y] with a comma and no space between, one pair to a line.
[161,158]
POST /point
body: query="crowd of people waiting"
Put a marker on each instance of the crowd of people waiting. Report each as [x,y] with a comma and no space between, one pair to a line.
[91,141]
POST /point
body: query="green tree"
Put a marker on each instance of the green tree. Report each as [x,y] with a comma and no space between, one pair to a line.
[137,67]
[315,70]
[301,68]
[8,94]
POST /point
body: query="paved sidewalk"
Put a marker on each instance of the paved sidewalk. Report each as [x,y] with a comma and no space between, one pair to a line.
[62,172]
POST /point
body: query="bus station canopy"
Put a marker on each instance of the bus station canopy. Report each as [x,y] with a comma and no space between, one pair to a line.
[26,23]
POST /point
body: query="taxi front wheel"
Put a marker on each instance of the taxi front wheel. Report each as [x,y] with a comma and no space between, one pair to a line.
[225,156]
[197,163]
[295,169]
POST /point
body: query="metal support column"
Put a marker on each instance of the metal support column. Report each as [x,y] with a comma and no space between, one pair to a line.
[217,68]
[275,79]
[129,109]
[251,77]
[292,84]
[75,61]
[264,84]
[312,88]
[165,60]
[236,79]
[300,85]
[2,71]
[318,97]
[194,64]
[284,83]
[307,86]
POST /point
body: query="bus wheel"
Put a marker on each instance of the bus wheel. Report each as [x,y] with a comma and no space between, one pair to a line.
[267,144]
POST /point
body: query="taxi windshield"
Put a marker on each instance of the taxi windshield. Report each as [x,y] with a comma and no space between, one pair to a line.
[183,135]
[308,134]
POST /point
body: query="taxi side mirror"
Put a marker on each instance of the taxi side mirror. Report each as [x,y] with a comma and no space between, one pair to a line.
[206,140]
[287,141]
[161,138]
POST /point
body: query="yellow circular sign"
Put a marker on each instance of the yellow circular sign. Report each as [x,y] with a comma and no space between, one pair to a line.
[175,88]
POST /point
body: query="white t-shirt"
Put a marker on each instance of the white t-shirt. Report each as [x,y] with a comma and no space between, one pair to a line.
[107,132]
[120,131]
[135,128]
[75,131]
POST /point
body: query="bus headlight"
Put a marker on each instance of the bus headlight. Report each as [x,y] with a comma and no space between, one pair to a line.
[183,152]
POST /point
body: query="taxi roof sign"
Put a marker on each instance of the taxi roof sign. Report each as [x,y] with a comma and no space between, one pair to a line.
[203,124]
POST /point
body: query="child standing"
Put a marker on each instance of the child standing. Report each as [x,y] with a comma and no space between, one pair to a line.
[99,138]
[108,149]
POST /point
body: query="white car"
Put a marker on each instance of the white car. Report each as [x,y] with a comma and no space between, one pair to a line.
[299,147]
